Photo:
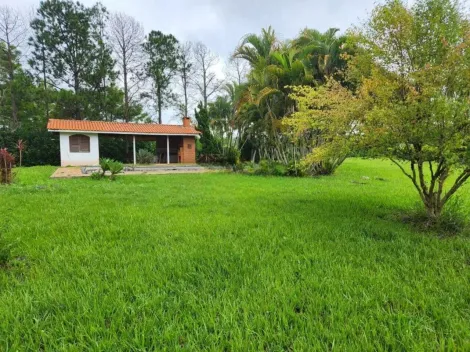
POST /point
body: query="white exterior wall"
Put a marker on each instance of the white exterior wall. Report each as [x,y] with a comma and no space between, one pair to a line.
[79,159]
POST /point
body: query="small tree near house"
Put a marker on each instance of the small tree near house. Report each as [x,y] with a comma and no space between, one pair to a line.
[20,145]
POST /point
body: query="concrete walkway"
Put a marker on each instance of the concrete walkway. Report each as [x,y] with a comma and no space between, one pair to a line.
[72,172]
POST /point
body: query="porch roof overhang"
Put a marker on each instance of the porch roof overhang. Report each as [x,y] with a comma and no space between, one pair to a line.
[123,128]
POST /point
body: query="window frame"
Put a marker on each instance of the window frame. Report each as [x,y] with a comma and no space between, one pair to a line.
[82,138]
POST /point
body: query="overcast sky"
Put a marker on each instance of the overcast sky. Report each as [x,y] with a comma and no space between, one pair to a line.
[220,24]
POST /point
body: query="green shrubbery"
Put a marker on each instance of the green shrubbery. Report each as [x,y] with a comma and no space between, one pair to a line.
[145,157]
[270,168]
[115,167]
[231,156]
[108,165]
[42,146]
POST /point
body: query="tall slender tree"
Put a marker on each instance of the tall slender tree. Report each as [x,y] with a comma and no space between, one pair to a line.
[162,64]
[70,35]
[185,72]
[205,79]
[126,36]
[39,60]
[12,34]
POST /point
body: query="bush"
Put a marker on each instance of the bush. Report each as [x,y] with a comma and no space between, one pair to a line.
[241,167]
[42,146]
[270,168]
[96,176]
[104,163]
[232,156]
[145,157]
[6,164]
[295,169]
[115,167]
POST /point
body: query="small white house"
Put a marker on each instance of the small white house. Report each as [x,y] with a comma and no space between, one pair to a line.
[79,140]
[79,149]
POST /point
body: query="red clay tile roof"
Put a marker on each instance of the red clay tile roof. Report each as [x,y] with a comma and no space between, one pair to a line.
[118,127]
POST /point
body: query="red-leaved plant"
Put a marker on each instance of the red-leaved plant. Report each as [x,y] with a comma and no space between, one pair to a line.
[7,161]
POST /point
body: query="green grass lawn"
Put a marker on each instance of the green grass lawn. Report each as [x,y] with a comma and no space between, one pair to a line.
[228,262]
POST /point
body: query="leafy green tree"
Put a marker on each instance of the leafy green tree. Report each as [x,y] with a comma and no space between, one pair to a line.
[12,33]
[256,49]
[276,68]
[222,122]
[325,125]
[208,142]
[412,70]
[162,65]
[70,36]
[26,94]
[321,52]
[39,61]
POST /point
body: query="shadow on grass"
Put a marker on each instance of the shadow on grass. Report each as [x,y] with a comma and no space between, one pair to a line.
[372,218]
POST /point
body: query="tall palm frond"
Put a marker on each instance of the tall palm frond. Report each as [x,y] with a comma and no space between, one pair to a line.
[321,51]
[253,47]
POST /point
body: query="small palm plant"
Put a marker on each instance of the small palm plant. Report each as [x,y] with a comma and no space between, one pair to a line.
[115,167]
[104,163]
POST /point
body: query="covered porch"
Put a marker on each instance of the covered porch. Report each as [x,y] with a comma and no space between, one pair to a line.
[166,150]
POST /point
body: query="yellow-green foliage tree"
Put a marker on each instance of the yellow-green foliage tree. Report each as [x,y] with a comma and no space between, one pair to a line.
[411,70]
[327,117]
[417,92]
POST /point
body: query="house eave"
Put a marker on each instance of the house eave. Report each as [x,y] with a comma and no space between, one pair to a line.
[127,133]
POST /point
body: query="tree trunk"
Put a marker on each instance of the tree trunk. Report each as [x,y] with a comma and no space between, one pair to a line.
[204,78]
[185,88]
[44,78]
[76,86]
[11,76]
[126,90]
[159,97]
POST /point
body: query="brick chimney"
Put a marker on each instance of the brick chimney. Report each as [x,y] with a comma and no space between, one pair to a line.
[186,122]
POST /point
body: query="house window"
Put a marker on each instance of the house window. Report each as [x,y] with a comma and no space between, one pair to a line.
[79,143]
[190,146]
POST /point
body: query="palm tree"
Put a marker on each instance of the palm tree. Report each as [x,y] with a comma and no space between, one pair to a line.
[264,101]
[255,47]
[321,51]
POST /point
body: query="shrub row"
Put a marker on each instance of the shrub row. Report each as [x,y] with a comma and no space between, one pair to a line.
[270,168]
[40,146]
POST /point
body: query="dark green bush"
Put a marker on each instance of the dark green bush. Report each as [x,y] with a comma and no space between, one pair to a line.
[118,148]
[42,147]
[270,168]
[145,157]
[232,156]
[295,169]
[96,176]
